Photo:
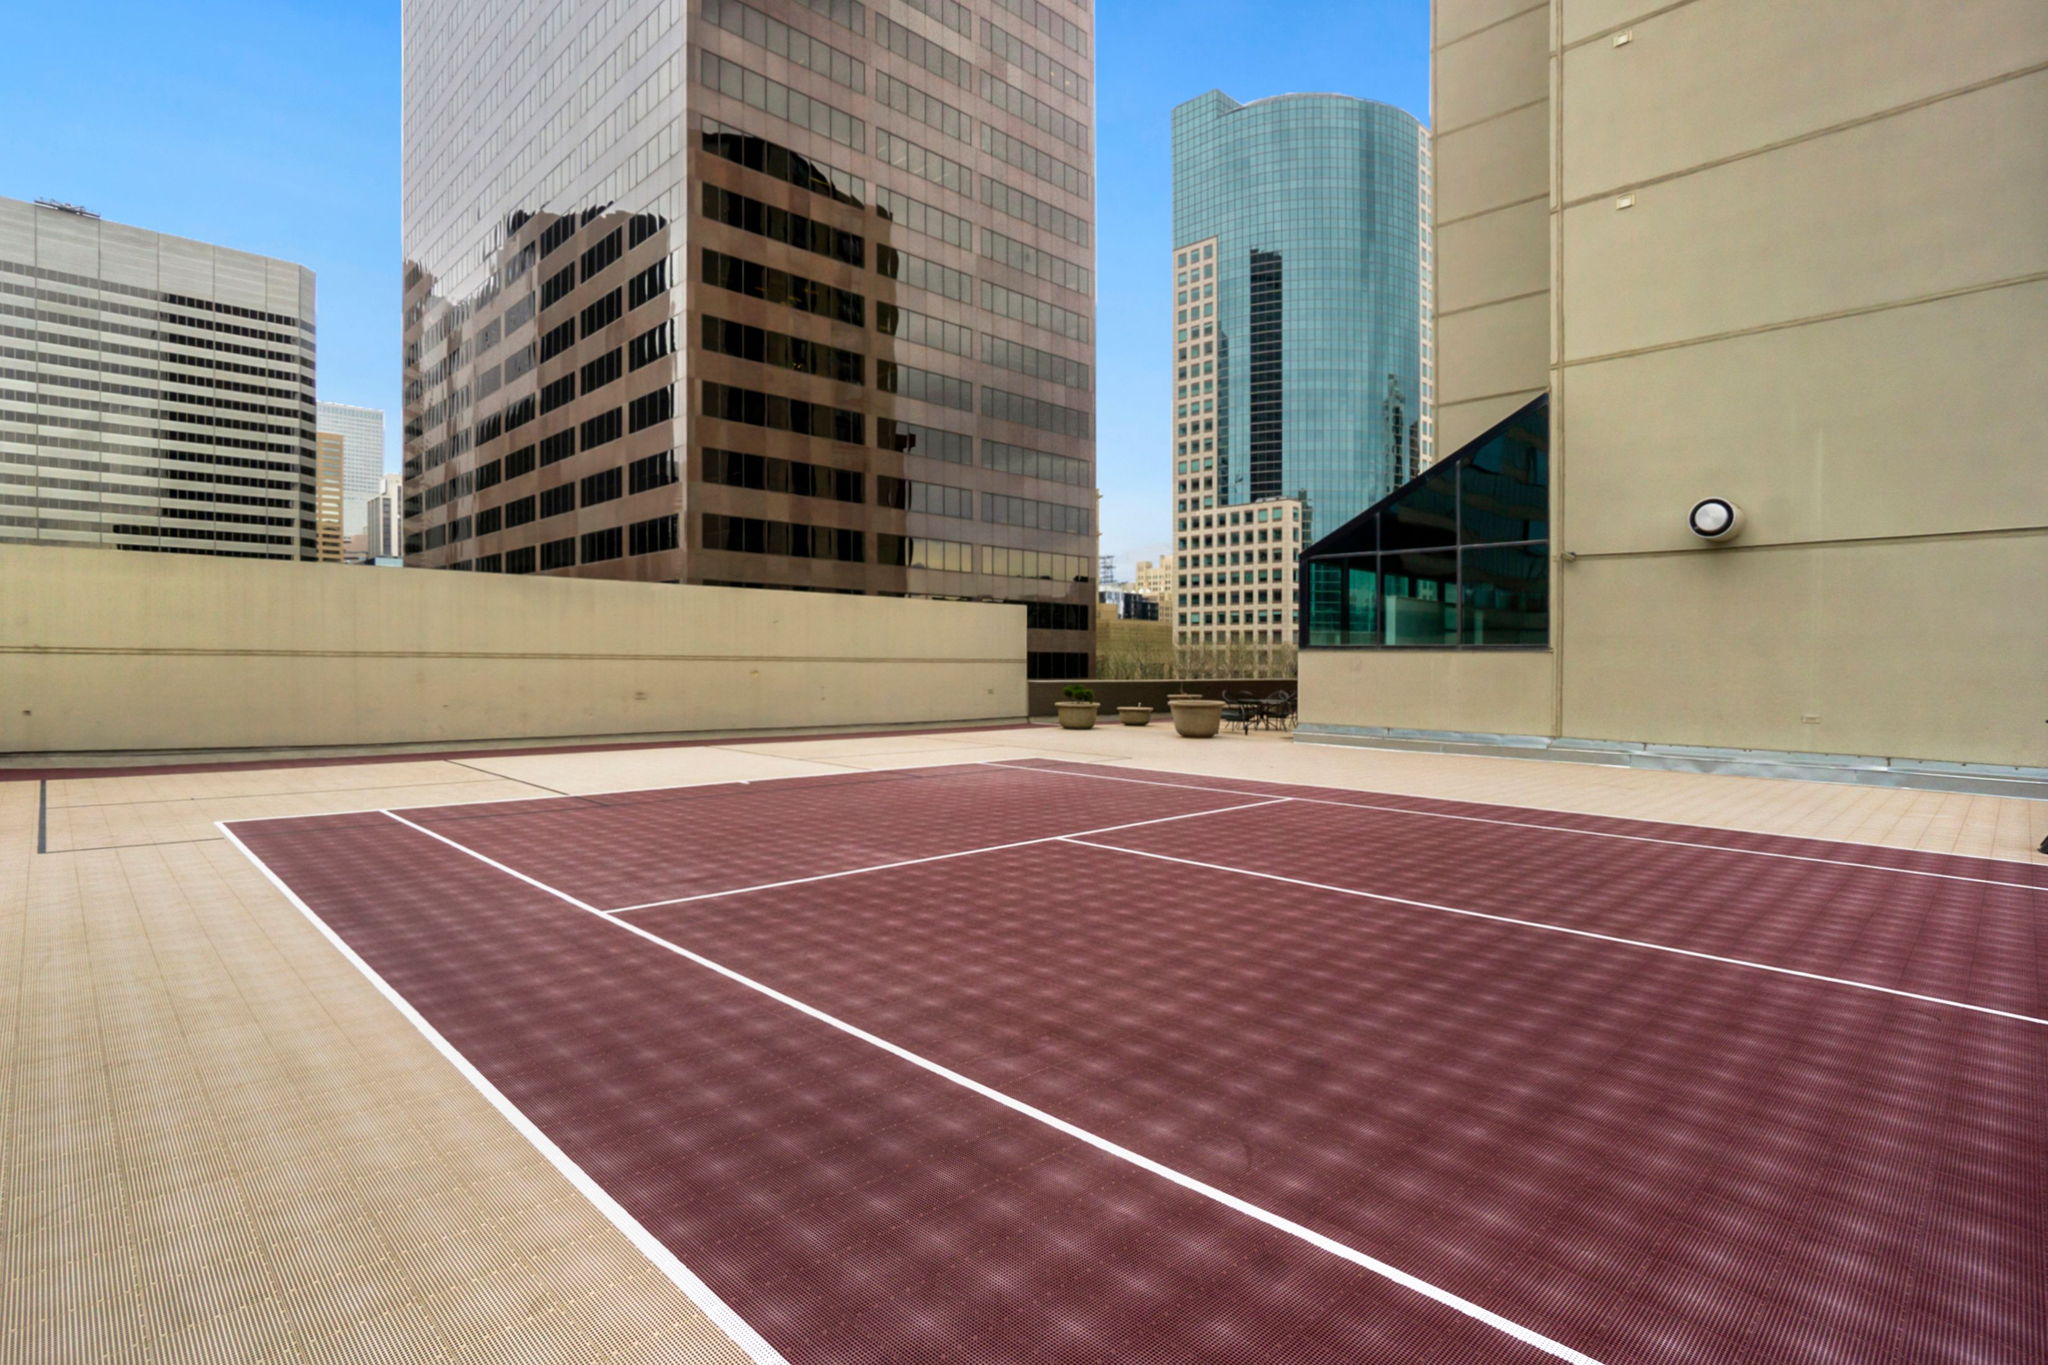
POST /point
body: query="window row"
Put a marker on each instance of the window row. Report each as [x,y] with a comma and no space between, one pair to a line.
[1005,510]
[772,34]
[737,469]
[1029,360]
[751,407]
[924,163]
[923,329]
[929,110]
[1033,162]
[935,499]
[781,287]
[1031,209]
[752,535]
[940,61]
[780,225]
[775,160]
[1479,595]
[783,351]
[779,101]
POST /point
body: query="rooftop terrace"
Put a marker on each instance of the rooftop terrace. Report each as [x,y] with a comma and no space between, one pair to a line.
[224,1141]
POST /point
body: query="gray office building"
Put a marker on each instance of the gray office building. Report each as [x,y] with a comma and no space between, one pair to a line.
[362,459]
[793,294]
[156,393]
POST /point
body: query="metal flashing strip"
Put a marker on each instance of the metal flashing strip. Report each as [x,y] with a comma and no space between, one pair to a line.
[1977,779]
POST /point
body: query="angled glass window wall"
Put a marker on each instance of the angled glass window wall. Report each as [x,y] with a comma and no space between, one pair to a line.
[1456,558]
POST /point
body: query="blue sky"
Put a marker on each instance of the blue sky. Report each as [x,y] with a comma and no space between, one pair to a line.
[272,126]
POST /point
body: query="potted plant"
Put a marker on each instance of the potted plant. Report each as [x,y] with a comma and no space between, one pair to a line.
[1077,712]
[1195,718]
[1134,715]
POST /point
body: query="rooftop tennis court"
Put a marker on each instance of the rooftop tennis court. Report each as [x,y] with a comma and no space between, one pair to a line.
[1049,1061]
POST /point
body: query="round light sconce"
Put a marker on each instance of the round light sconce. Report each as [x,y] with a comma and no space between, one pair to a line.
[1714,520]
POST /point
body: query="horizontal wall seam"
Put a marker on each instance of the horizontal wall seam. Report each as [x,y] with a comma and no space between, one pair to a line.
[2017,281]
[401,654]
[1627,24]
[1493,117]
[1443,402]
[1537,198]
[1781,144]
[1488,28]
[1494,303]
[1836,543]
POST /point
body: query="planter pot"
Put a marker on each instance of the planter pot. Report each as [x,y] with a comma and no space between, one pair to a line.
[1172,697]
[1135,715]
[1077,715]
[1197,719]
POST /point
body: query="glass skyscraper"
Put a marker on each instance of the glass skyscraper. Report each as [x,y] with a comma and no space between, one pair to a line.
[1301,340]
[794,295]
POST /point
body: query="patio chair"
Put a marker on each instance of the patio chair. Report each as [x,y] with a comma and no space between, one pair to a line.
[1279,708]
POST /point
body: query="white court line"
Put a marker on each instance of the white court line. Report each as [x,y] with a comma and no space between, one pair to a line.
[696,786]
[548,795]
[707,1300]
[1188,1182]
[1565,929]
[1559,829]
[934,858]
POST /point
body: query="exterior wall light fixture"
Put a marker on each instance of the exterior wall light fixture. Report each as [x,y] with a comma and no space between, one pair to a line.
[1714,520]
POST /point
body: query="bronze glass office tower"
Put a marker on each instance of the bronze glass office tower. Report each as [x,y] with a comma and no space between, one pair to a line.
[790,293]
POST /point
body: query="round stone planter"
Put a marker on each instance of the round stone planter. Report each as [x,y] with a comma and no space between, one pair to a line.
[1077,715]
[1197,719]
[1172,697]
[1134,715]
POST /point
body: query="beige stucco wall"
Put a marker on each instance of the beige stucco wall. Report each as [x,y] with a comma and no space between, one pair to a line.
[1827,301]
[1490,116]
[1503,693]
[101,650]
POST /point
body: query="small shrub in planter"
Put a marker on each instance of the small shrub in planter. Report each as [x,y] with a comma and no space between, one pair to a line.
[1077,712]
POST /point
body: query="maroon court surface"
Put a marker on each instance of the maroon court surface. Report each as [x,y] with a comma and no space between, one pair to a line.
[1064,1062]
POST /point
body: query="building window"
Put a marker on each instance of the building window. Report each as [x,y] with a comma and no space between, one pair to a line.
[1457,558]
[650,536]
[751,535]
[651,471]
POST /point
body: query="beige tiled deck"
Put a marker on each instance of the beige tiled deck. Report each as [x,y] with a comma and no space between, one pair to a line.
[220,1143]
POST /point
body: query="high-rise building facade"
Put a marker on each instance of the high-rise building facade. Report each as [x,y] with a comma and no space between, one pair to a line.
[327,506]
[1301,336]
[793,294]
[1155,579]
[156,393]
[362,459]
[385,515]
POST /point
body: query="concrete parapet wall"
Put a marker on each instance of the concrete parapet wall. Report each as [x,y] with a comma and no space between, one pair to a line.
[102,650]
